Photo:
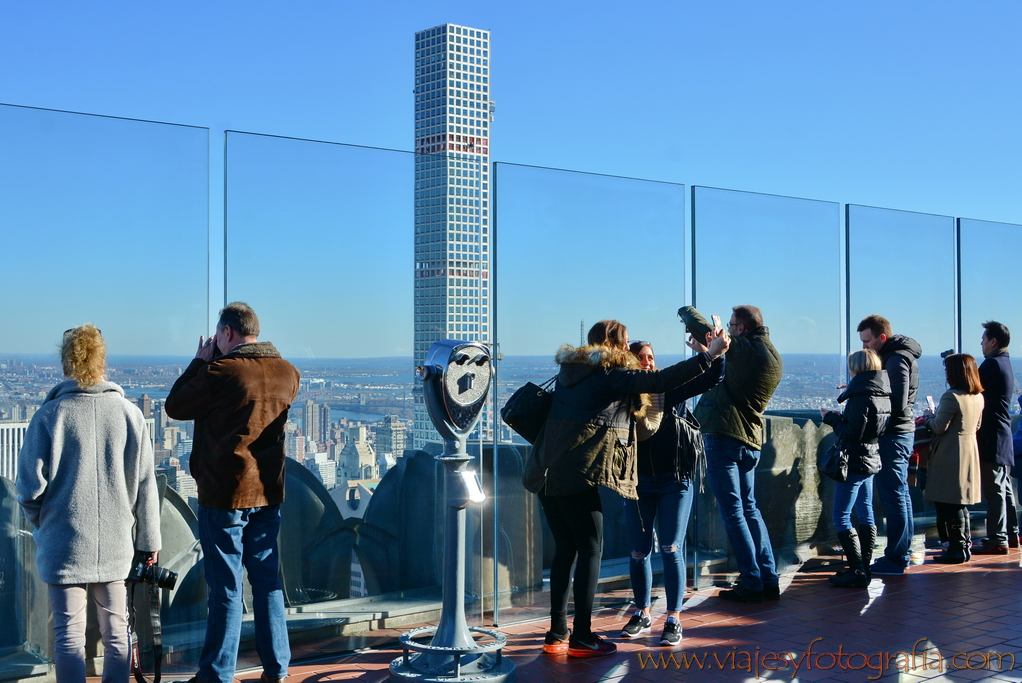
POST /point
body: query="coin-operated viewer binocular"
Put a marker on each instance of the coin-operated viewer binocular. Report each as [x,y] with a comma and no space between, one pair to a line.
[456,381]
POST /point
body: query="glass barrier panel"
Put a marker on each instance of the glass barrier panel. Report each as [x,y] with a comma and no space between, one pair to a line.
[983,299]
[329,243]
[575,248]
[105,221]
[902,266]
[782,255]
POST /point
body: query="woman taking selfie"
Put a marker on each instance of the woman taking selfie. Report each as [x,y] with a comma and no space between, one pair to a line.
[589,440]
[666,462]
[85,479]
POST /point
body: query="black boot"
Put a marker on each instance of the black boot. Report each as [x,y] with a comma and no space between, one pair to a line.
[957,544]
[855,576]
[867,540]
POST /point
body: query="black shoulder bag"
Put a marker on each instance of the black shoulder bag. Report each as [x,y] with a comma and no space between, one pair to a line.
[834,462]
[691,450]
[527,409]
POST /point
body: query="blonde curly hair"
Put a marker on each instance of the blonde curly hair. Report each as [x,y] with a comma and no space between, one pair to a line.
[83,355]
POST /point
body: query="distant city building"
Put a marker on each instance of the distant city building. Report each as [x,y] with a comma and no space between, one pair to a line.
[19,412]
[322,435]
[391,435]
[160,421]
[12,436]
[310,420]
[453,112]
[183,483]
[357,585]
[171,435]
[150,425]
[294,445]
[358,457]
[324,468]
[145,405]
[183,449]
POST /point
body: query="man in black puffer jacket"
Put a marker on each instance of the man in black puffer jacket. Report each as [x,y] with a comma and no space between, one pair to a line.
[898,353]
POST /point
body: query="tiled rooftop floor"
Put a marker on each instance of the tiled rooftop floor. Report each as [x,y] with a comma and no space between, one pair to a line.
[973,608]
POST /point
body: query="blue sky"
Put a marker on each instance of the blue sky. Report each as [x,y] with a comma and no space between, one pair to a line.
[909,105]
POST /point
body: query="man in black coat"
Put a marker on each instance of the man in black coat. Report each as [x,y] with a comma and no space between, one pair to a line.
[996,455]
[898,353]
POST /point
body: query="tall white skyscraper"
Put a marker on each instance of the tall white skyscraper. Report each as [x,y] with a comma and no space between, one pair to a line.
[453,112]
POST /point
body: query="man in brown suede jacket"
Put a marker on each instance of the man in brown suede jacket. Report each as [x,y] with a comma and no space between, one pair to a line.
[239,402]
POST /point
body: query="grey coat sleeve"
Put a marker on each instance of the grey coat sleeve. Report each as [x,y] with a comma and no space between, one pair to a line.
[34,470]
[147,500]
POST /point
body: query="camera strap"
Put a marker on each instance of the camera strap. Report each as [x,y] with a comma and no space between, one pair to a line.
[157,633]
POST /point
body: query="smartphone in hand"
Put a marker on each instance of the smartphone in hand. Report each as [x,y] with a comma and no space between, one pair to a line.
[716,322]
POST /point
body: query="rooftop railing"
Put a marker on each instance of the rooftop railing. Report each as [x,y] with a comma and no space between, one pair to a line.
[108,220]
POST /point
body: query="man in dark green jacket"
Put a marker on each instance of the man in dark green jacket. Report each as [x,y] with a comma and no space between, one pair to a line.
[731,419]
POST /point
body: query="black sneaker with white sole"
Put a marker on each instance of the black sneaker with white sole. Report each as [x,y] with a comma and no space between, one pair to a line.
[637,625]
[671,634]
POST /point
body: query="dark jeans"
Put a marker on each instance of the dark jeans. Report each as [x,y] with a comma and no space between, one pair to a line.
[996,483]
[576,522]
[731,471]
[891,486]
[855,492]
[668,502]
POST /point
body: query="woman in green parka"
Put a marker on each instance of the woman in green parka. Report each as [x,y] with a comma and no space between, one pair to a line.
[590,440]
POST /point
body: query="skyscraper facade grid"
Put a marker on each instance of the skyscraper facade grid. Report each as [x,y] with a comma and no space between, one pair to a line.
[453,113]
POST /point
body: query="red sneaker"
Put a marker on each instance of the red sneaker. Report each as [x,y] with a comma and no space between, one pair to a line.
[556,644]
[597,647]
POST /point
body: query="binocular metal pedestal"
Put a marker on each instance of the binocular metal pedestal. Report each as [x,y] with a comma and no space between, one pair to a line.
[453,655]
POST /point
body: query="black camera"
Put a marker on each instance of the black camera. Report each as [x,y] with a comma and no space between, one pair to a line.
[151,574]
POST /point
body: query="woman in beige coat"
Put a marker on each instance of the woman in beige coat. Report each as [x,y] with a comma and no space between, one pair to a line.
[953,471]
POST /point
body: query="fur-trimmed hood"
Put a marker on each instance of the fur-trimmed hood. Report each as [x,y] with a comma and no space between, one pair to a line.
[256,349]
[591,432]
[579,362]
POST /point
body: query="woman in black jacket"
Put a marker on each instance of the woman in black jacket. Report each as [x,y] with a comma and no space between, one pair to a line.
[666,462]
[589,440]
[865,418]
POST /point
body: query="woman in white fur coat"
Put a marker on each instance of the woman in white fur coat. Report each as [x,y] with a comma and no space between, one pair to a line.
[85,477]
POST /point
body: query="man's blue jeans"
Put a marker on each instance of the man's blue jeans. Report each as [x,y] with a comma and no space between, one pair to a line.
[855,492]
[731,471]
[232,539]
[669,502]
[891,486]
